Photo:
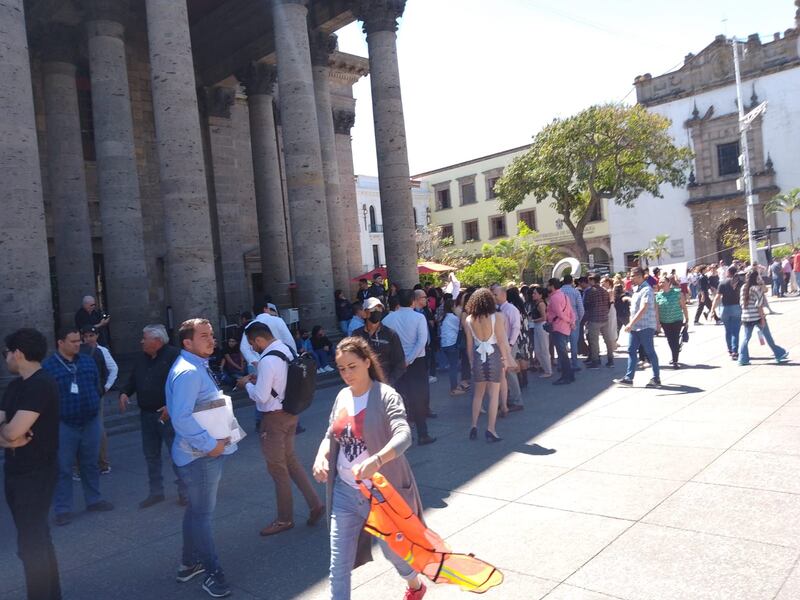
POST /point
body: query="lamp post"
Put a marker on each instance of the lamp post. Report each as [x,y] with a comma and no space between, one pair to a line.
[364,213]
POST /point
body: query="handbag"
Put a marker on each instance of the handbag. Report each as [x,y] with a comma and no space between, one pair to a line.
[548,327]
[685,334]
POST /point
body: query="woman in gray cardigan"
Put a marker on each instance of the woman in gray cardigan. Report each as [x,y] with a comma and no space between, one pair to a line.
[368,432]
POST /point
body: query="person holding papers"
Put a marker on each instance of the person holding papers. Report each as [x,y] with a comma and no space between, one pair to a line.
[277,427]
[198,456]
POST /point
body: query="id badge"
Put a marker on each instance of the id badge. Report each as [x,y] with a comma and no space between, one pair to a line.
[73,389]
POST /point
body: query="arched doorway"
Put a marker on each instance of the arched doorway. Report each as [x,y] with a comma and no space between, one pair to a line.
[731,235]
[599,260]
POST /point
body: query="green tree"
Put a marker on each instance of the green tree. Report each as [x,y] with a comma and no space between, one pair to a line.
[433,246]
[487,270]
[656,249]
[788,203]
[523,250]
[609,152]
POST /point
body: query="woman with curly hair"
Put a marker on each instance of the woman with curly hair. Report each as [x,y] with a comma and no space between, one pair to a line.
[367,432]
[487,350]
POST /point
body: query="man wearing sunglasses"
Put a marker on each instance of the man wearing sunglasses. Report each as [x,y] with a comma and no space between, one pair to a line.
[384,341]
[89,316]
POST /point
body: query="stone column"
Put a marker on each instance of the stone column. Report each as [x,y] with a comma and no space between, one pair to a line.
[259,82]
[343,121]
[322,45]
[302,155]
[25,298]
[125,265]
[72,236]
[380,25]
[191,279]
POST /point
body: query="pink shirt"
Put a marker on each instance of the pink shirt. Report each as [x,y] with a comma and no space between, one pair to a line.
[559,313]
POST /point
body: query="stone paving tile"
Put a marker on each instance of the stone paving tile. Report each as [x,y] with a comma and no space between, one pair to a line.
[772,437]
[601,428]
[649,562]
[692,434]
[791,587]
[764,471]
[769,517]
[647,460]
[787,415]
[557,451]
[715,412]
[547,543]
[604,494]
[640,408]
[449,512]
[570,592]
[509,480]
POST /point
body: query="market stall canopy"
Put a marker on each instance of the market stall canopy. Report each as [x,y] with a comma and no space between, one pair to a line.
[422,268]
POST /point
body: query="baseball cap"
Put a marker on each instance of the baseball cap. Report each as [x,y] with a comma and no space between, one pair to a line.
[372,303]
[88,329]
[271,306]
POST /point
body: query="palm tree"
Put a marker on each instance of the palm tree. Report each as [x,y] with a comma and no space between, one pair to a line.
[788,203]
[656,249]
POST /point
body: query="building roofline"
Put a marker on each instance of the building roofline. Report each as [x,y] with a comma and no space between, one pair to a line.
[471,161]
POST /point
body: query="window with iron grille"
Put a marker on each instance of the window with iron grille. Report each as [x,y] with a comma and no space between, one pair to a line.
[471,231]
[728,158]
[443,199]
[497,226]
[529,218]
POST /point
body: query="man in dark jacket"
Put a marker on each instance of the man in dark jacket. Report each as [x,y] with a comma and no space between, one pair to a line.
[383,341]
[147,381]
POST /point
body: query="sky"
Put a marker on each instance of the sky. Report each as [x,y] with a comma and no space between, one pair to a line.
[481,76]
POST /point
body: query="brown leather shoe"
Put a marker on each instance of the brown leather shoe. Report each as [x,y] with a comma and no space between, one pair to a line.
[276,527]
[315,515]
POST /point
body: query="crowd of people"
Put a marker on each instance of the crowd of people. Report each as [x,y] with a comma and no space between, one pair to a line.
[489,340]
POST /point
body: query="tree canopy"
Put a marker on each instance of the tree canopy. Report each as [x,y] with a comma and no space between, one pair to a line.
[609,152]
[787,203]
[524,251]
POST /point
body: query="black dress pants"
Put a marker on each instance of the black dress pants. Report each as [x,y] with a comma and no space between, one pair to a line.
[414,388]
[29,496]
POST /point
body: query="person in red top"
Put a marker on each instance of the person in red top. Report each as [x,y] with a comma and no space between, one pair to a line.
[561,319]
[796,269]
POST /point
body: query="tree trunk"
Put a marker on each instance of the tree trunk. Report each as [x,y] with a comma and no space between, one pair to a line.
[580,242]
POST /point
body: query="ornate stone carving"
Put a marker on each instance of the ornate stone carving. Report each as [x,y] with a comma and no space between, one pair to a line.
[378,15]
[258,78]
[218,101]
[106,10]
[343,121]
[59,43]
[322,46]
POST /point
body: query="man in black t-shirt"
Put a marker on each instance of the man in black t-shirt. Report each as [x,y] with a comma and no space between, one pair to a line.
[29,432]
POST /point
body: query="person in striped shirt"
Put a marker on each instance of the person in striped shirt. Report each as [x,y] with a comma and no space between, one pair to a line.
[752,302]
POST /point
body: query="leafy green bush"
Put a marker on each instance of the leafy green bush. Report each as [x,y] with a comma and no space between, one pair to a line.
[487,270]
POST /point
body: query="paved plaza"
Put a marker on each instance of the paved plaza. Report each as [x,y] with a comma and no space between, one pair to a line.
[686,492]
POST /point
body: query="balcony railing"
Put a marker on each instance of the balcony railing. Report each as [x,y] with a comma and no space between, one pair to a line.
[375,228]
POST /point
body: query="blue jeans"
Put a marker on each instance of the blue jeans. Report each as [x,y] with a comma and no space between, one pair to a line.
[564,364]
[154,434]
[574,336]
[453,364]
[643,338]
[83,442]
[744,355]
[348,514]
[201,478]
[343,327]
[732,320]
[776,286]
[322,357]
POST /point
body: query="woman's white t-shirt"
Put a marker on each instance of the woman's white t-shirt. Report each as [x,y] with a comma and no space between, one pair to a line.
[348,430]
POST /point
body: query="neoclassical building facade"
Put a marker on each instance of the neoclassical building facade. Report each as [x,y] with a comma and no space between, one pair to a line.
[181,158]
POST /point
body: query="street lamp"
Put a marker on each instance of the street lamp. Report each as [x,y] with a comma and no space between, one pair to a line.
[364,212]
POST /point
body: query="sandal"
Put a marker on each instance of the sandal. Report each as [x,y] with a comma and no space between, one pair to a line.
[276,527]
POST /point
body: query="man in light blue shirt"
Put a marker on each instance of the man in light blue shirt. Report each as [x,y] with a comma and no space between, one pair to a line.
[412,329]
[198,456]
[642,328]
[576,302]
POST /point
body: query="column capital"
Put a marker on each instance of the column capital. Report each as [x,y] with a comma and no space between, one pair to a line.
[218,100]
[258,78]
[343,120]
[106,10]
[378,15]
[301,2]
[59,43]
[322,46]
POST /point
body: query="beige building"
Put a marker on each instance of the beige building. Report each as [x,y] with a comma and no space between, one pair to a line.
[463,203]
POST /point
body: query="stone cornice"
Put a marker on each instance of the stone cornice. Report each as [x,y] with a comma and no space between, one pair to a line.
[258,78]
[343,121]
[348,67]
[378,15]
[322,45]
[218,101]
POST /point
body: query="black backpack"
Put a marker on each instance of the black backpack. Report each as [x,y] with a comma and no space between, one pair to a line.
[301,381]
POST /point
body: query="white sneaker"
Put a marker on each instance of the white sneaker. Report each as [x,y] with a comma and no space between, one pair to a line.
[329,369]
[432,380]
[320,371]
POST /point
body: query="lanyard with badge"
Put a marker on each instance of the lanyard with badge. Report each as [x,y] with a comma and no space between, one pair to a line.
[73,370]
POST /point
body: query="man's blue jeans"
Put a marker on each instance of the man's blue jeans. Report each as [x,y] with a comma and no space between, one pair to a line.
[732,320]
[643,338]
[574,337]
[776,286]
[154,434]
[83,442]
[348,514]
[453,364]
[201,477]
[744,355]
[560,342]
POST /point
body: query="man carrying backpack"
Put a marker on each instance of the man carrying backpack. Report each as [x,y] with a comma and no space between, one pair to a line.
[277,430]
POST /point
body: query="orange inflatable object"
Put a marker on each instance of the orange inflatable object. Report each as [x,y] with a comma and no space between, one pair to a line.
[392,520]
